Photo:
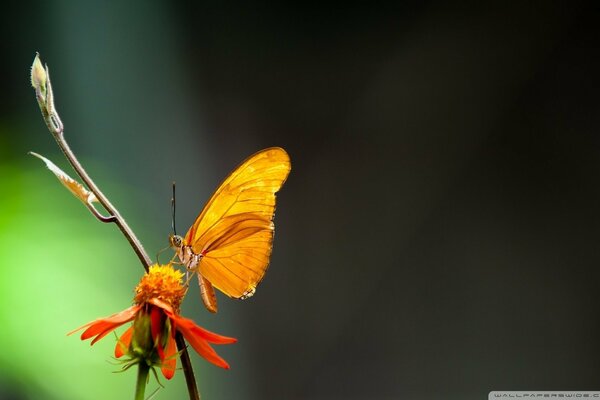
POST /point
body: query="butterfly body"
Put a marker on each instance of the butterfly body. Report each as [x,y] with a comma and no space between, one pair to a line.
[185,253]
[230,243]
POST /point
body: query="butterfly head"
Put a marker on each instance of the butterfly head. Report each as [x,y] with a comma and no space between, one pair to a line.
[175,241]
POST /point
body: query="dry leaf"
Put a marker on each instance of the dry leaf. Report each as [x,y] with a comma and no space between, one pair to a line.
[75,187]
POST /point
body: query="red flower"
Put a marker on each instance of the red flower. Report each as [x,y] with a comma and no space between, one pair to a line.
[151,338]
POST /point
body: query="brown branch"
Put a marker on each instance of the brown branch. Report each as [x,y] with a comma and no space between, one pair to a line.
[118,219]
[40,79]
[188,371]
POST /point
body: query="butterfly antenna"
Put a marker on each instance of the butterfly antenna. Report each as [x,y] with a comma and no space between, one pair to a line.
[173,211]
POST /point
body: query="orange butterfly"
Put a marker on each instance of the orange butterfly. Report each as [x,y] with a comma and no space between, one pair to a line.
[230,242]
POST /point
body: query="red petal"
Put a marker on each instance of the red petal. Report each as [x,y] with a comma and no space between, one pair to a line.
[104,333]
[161,304]
[123,344]
[211,336]
[97,328]
[200,344]
[169,363]
[207,335]
[203,348]
[110,323]
[196,336]
[156,327]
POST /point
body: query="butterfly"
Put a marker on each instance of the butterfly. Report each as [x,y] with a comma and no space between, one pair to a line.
[230,243]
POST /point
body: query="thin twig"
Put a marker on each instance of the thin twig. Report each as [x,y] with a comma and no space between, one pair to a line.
[187,367]
[100,217]
[118,219]
[40,79]
[45,98]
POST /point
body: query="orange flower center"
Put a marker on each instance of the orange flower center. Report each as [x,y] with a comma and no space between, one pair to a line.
[162,282]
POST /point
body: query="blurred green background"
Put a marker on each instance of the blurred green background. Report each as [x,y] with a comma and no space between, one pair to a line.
[438,234]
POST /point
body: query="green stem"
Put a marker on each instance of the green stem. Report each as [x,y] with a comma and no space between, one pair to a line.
[142,378]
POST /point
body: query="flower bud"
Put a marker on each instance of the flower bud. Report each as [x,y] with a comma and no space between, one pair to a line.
[39,77]
[142,345]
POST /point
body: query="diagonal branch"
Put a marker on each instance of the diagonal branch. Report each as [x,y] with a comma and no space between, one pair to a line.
[40,80]
[118,219]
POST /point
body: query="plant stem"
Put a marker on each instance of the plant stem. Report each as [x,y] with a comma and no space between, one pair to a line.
[40,80]
[119,220]
[45,98]
[187,368]
[142,378]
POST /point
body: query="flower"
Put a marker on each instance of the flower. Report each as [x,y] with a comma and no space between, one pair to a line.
[156,319]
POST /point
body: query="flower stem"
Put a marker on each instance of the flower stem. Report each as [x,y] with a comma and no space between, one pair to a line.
[142,378]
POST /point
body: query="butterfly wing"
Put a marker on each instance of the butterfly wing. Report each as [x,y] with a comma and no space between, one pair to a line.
[234,231]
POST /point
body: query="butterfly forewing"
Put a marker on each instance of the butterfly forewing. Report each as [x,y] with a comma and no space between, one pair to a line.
[234,231]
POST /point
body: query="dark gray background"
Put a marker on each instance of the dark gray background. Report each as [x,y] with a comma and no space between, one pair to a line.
[438,234]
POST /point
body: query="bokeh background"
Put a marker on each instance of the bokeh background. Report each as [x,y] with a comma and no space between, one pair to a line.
[437,237]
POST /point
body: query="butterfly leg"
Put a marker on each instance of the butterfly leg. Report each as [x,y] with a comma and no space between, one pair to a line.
[188,277]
